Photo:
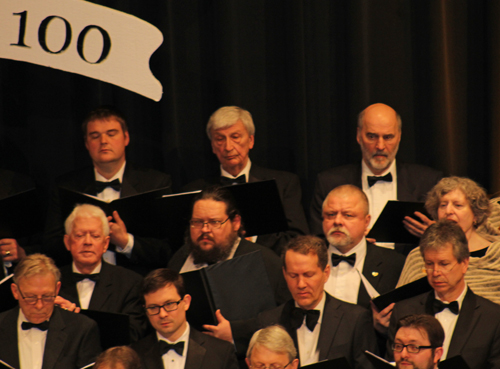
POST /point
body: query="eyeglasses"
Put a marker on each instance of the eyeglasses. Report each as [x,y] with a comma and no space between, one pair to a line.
[211,224]
[168,307]
[272,366]
[412,349]
[442,268]
[32,300]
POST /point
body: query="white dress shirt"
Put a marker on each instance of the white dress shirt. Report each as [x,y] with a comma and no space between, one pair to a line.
[172,360]
[85,288]
[307,340]
[189,264]
[31,343]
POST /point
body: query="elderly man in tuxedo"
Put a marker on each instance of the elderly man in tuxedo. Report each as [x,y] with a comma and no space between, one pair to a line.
[175,344]
[272,347]
[378,174]
[90,282]
[231,131]
[471,323]
[39,334]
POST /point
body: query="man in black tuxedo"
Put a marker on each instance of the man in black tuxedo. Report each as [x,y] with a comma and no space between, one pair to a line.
[359,269]
[214,236]
[378,174]
[175,344]
[471,323]
[37,333]
[90,282]
[231,131]
[111,177]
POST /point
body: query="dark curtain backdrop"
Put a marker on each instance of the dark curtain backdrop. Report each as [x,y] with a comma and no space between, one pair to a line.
[304,69]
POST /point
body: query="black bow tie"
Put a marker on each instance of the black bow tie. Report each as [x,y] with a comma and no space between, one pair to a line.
[336,259]
[298,315]
[41,326]
[226,181]
[439,306]
[373,179]
[101,186]
[166,347]
[80,277]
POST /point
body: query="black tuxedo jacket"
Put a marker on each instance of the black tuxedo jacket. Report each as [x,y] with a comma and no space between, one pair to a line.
[204,352]
[477,333]
[136,180]
[290,193]
[346,330]
[72,340]
[272,264]
[414,181]
[116,291]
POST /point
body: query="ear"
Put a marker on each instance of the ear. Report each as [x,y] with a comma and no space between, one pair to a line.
[247,361]
[236,223]
[465,265]
[437,354]
[294,364]
[15,291]
[251,142]
[127,138]
[358,135]
[66,242]
[187,302]
[58,287]
[368,218]
[106,244]
[327,272]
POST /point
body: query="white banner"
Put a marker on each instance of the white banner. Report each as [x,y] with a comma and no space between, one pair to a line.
[81,37]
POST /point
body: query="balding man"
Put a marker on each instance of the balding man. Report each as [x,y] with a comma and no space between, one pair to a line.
[380,177]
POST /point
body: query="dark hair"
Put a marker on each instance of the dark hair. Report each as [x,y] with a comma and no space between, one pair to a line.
[305,245]
[124,356]
[159,278]
[104,112]
[426,323]
[221,194]
[444,232]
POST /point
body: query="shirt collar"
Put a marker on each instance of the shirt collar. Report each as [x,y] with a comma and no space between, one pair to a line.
[184,337]
[245,171]
[96,270]
[320,307]
[366,171]
[118,175]
[460,298]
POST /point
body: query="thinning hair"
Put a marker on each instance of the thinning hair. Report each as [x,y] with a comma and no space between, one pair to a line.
[228,116]
[105,112]
[35,264]
[274,338]
[476,197]
[119,357]
[160,278]
[424,323]
[361,116]
[443,233]
[351,190]
[86,211]
[307,245]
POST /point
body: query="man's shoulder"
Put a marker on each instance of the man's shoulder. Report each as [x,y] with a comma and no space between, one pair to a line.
[246,247]
[347,308]
[120,273]
[145,173]
[179,258]
[145,344]
[415,303]
[487,306]
[384,253]
[212,343]
[417,170]
[74,321]
[77,177]
[266,173]
[9,314]
[343,174]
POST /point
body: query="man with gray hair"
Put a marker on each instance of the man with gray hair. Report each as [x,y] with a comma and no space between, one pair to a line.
[231,131]
[39,334]
[272,347]
[90,282]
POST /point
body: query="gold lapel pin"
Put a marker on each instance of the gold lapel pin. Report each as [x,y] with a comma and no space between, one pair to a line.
[375,274]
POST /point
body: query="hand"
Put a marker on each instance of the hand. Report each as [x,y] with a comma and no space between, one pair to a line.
[117,231]
[10,250]
[66,305]
[415,227]
[221,330]
[382,318]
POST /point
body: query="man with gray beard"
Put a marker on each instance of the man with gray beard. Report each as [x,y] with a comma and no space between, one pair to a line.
[359,270]
[215,231]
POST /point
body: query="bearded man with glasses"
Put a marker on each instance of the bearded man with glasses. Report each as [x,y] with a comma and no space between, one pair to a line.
[176,345]
[471,323]
[38,333]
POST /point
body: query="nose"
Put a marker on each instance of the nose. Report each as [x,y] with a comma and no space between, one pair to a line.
[380,144]
[405,354]
[87,239]
[103,138]
[338,220]
[39,304]
[228,145]
[163,312]
[300,282]
[205,227]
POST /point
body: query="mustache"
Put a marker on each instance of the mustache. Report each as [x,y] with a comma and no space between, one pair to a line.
[380,153]
[337,229]
[206,237]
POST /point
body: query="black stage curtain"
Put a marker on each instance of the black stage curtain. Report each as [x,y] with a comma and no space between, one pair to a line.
[304,69]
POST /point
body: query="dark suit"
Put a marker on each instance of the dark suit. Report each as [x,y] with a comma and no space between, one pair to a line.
[136,180]
[477,333]
[116,291]
[414,181]
[290,193]
[346,330]
[72,340]
[271,261]
[204,352]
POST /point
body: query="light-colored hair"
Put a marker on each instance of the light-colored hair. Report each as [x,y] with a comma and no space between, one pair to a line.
[361,115]
[274,338]
[86,211]
[227,116]
[474,193]
[442,233]
[36,264]
[120,357]
[349,188]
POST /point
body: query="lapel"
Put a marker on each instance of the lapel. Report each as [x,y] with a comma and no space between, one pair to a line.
[9,351]
[152,358]
[332,317]
[254,175]
[404,192]
[130,182]
[373,272]
[56,338]
[103,289]
[86,181]
[357,174]
[68,287]
[286,322]
[467,319]
[196,351]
